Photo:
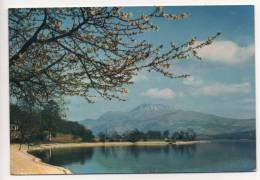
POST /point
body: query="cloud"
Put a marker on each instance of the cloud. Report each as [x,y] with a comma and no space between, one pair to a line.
[192,81]
[166,93]
[200,87]
[218,89]
[227,52]
[141,76]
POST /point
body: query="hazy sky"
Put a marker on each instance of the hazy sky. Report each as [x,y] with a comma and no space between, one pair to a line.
[222,84]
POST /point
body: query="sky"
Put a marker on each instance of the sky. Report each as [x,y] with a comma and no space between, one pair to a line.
[223,83]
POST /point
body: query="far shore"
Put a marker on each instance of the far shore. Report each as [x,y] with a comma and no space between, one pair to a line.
[23,163]
[109,144]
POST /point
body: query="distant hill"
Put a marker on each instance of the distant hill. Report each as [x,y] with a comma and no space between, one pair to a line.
[247,135]
[161,117]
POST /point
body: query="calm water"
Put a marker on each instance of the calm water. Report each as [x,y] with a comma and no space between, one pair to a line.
[206,157]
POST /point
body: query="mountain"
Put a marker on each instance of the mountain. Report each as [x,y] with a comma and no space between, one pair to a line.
[161,117]
[247,135]
[151,108]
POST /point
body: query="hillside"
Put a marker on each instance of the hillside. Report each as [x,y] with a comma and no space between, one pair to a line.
[247,135]
[160,117]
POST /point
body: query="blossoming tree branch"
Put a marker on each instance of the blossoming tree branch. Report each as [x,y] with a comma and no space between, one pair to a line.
[87,51]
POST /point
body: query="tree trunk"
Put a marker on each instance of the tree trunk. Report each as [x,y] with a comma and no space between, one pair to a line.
[50,136]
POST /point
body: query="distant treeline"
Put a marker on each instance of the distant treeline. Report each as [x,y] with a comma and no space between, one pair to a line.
[43,124]
[136,135]
[245,135]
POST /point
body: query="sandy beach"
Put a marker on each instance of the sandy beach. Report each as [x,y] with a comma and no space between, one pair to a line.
[24,163]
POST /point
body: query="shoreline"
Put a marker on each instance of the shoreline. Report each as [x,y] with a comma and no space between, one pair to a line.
[24,163]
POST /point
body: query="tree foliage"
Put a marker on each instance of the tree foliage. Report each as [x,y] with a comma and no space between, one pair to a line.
[102,137]
[50,116]
[86,51]
[154,135]
[134,135]
[166,134]
[28,123]
[33,125]
[76,129]
[151,135]
[184,135]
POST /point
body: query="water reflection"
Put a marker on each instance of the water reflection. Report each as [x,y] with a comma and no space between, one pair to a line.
[108,151]
[207,157]
[70,155]
[65,156]
[134,151]
[187,150]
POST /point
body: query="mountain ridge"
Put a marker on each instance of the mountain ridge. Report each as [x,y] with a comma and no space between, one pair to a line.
[162,117]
